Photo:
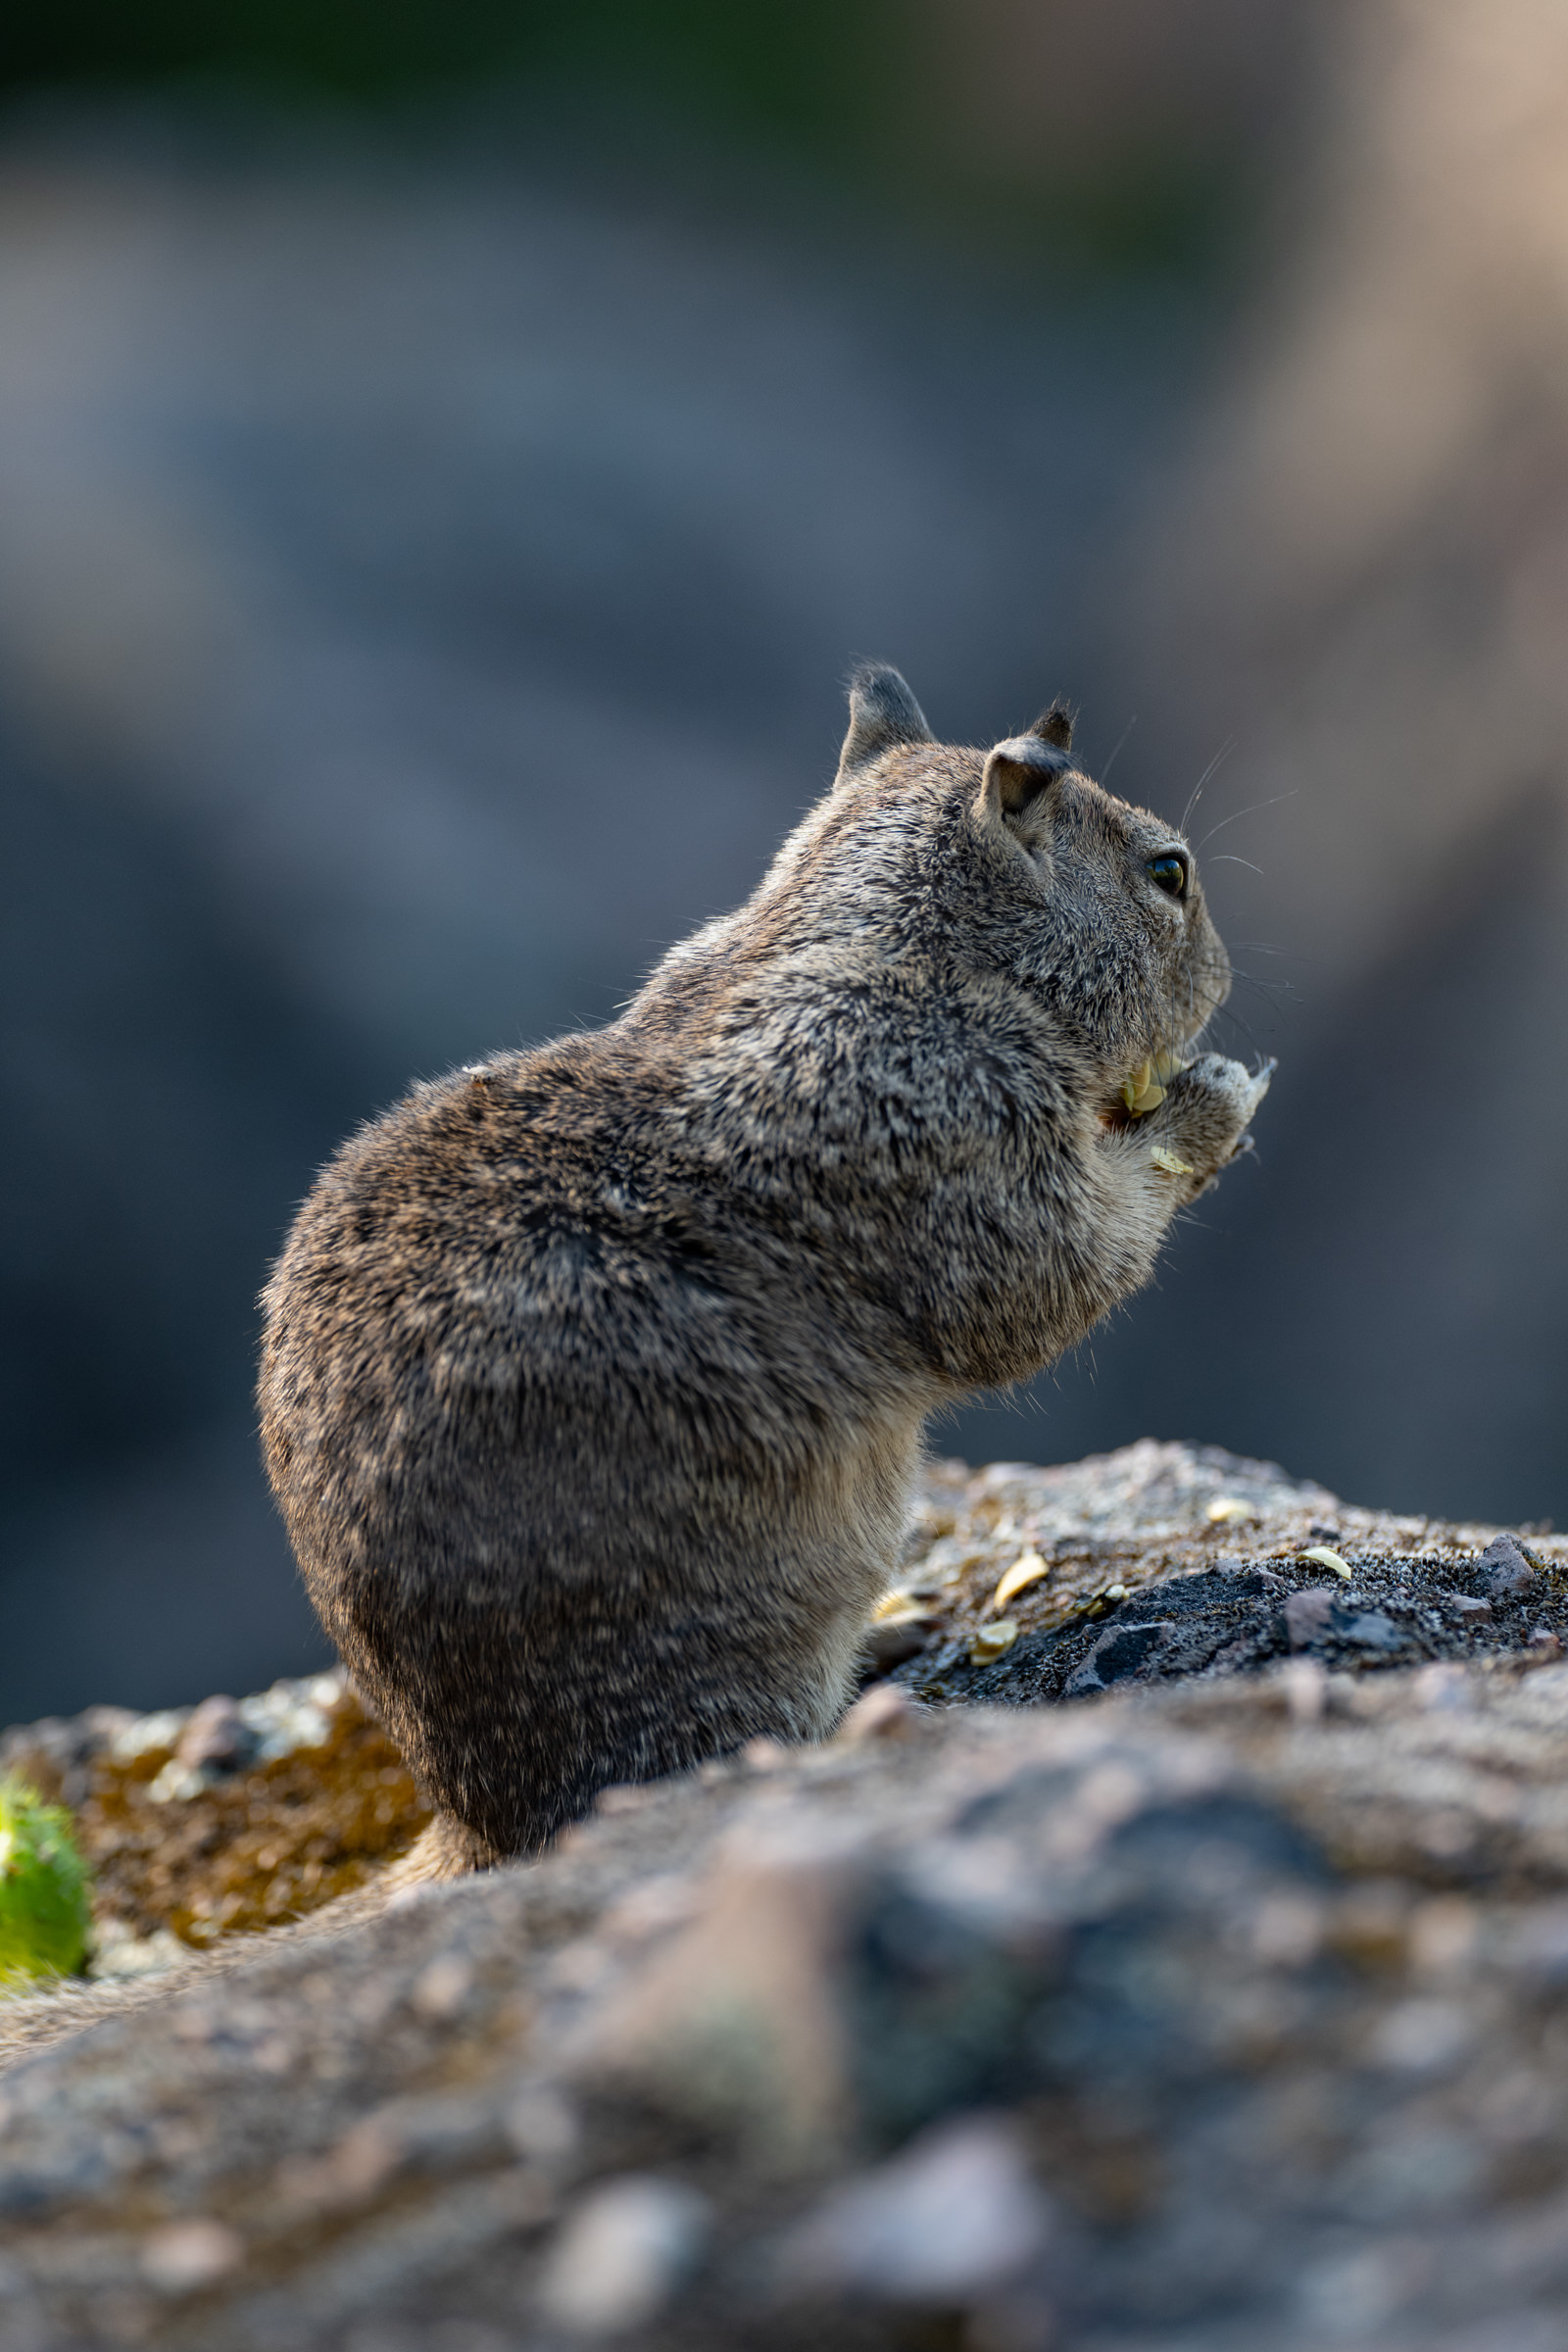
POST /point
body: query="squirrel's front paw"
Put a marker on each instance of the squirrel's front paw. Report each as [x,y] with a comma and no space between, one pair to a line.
[1207,1111]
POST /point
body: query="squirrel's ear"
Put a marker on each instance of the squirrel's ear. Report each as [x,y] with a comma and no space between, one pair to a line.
[1055,726]
[1020,769]
[882,712]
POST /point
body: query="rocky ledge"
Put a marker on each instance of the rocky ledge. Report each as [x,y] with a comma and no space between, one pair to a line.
[1170,1951]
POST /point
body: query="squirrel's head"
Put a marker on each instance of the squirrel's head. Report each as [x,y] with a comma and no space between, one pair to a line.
[1015,863]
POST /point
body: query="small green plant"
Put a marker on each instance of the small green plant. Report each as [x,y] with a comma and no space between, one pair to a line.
[43,1889]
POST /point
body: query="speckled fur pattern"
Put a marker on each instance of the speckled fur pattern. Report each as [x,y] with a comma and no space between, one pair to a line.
[594,1376]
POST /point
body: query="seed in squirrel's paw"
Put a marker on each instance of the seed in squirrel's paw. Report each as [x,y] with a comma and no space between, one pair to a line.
[1139,1091]
[1168,1163]
[1144,1089]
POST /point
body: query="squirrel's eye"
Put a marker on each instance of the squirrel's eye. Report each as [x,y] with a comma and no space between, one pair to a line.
[1170,874]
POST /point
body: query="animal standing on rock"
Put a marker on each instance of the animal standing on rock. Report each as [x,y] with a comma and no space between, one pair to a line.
[594,1376]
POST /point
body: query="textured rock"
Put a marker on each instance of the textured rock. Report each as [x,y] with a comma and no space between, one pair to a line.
[200,1822]
[1223,2008]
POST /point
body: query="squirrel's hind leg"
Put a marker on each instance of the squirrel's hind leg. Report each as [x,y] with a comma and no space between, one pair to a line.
[447,1849]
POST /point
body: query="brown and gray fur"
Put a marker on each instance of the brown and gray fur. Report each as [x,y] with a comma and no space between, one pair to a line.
[595,1376]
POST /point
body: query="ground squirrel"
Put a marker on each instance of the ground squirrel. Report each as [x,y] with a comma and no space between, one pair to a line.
[594,1376]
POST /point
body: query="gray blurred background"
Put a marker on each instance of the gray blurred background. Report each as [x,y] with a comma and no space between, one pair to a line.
[398,407]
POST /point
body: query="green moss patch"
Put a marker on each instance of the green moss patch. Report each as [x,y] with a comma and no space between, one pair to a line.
[43,1889]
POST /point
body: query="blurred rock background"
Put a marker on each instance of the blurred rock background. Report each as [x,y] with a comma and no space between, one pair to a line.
[449,457]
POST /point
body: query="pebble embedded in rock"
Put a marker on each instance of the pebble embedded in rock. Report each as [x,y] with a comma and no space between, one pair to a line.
[1505,1570]
[954,2217]
[444,1989]
[189,2255]
[621,2253]
[217,1734]
[1308,1615]
[1369,1629]
[1121,1652]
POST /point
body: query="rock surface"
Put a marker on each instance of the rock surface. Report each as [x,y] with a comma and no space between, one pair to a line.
[201,1821]
[1225,2005]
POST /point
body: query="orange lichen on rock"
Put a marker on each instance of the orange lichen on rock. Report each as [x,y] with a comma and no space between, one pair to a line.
[253,1848]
